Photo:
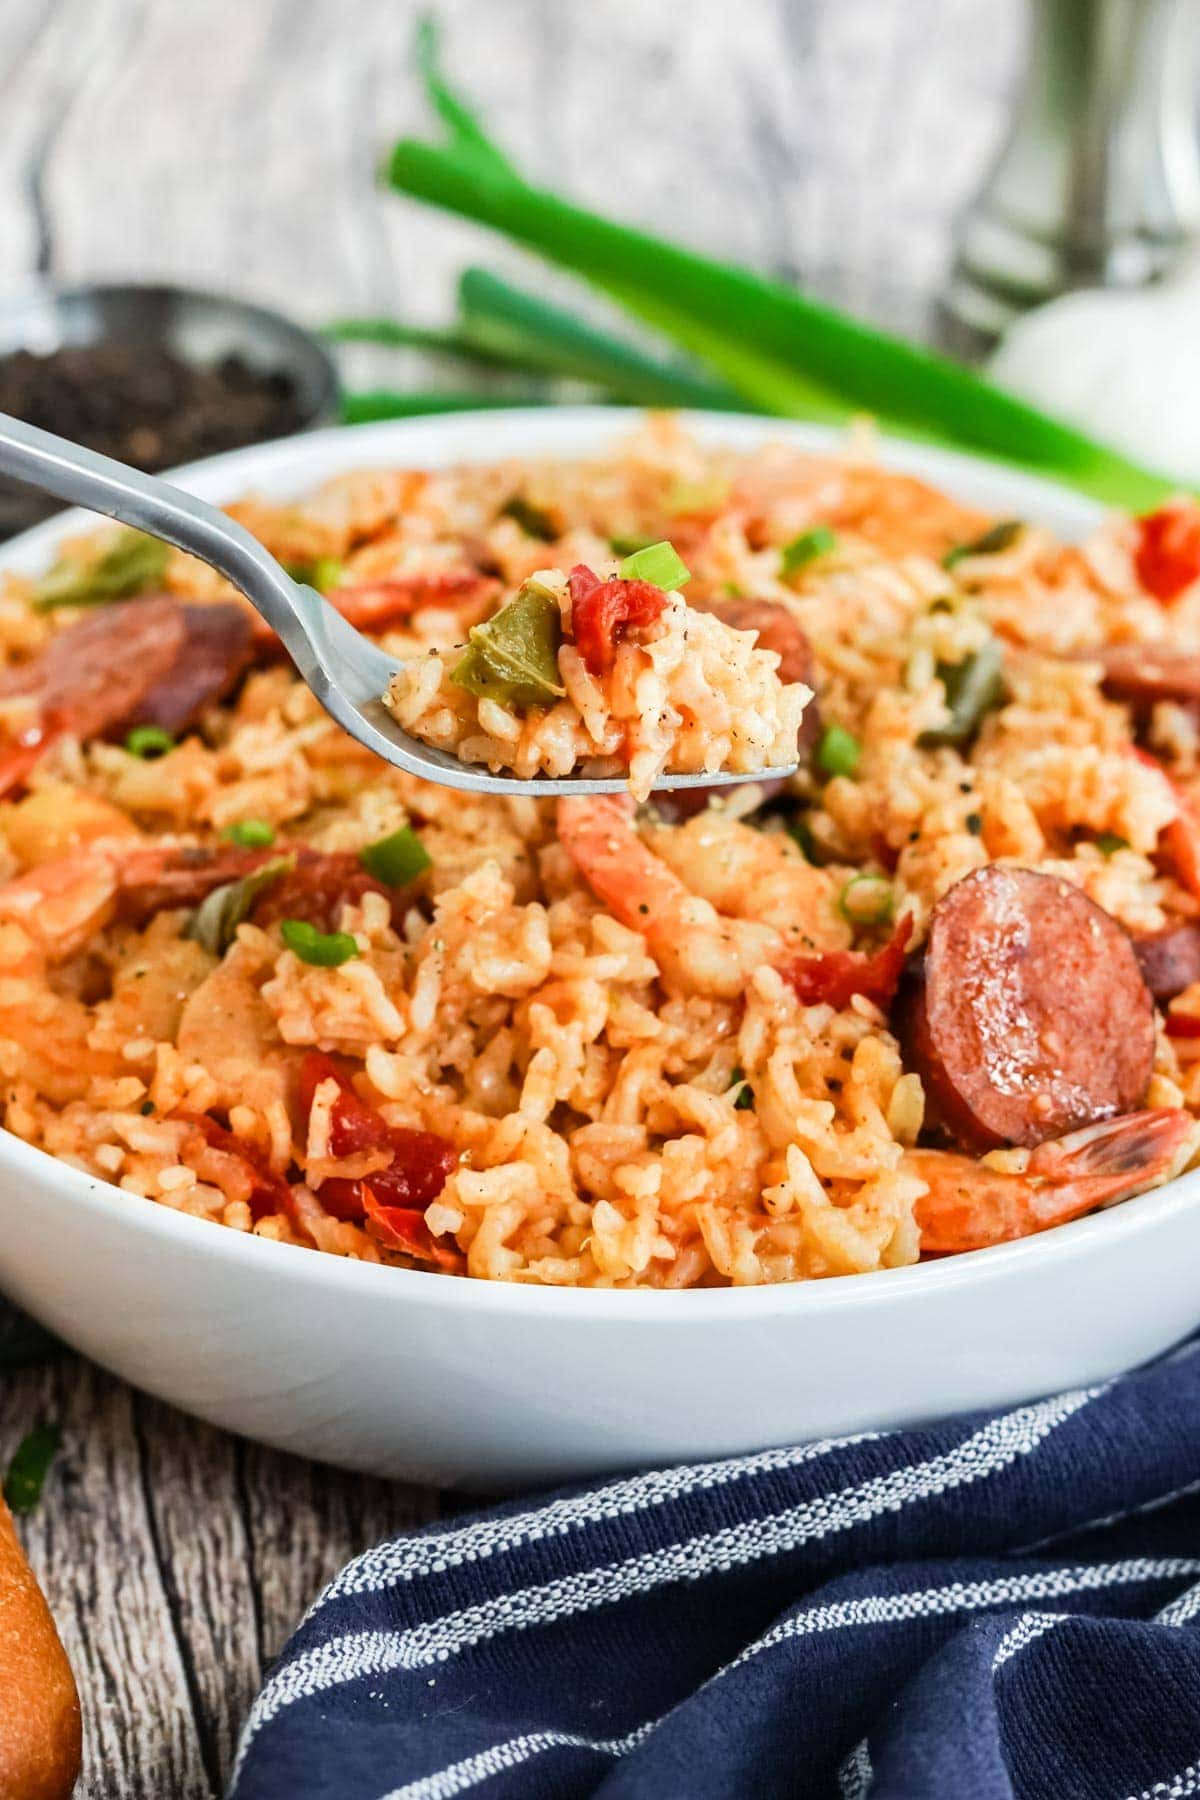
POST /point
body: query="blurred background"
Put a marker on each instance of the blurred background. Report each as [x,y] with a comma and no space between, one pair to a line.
[235,143]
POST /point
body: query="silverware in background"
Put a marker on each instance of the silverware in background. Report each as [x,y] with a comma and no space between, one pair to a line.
[1098,181]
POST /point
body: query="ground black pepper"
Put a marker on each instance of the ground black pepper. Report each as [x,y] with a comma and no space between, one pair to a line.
[145,405]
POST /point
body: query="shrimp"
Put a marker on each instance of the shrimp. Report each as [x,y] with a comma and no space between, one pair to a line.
[771,903]
[752,874]
[969,1205]
[696,948]
[62,903]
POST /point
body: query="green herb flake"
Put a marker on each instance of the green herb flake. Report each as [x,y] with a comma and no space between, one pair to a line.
[629,546]
[839,751]
[1108,843]
[396,860]
[321,572]
[29,1467]
[148,741]
[132,564]
[697,496]
[975,824]
[324,949]
[817,542]
[998,538]
[745,1096]
[251,834]
[215,921]
[659,564]
[534,521]
[973,688]
[867,900]
[513,656]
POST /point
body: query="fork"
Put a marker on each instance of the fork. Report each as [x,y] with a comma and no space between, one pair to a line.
[346,671]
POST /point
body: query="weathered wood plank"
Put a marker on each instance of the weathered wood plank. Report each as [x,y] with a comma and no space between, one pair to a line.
[91,1545]
[304,1521]
[189,1473]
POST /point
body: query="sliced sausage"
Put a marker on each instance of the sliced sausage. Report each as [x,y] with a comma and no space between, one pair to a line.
[322,882]
[777,630]
[1029,1016]
[154,879]
[1169,959]
[154,661]
[1142,674]
[314,889]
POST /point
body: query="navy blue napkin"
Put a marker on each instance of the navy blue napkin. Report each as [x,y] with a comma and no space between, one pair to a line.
[1001,1605]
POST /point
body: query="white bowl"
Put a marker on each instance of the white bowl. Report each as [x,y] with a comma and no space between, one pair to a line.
[490,1385]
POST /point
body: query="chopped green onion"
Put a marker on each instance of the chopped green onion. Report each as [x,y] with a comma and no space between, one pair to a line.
[1108,843]
[252,834]
[697,496]
[513,656]
[396,860]
[784,352]
[805,549]
[324,949]
[659,564]
[132,563]
[29,1467]
[149,740]
[973,688]
[534,521]
[1000,537]
[745,1099]
[867,900]
[322,573]
[215,921]
[368,405]
[839,751]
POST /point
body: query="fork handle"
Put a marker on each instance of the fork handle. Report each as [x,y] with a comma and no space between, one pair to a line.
[83,477]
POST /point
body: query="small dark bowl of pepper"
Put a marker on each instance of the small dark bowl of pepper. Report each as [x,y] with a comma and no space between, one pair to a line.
[155,376]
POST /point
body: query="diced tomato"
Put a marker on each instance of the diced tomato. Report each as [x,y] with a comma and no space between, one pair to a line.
[21,755]
[833,977]
[404,1228]
[1167,558]
[600,611]
[1183,1025]
[269,1193]
[421,1162]
[1181,837]
[353,1125]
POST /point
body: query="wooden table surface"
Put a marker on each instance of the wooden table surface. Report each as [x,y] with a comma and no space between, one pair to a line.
[232,144]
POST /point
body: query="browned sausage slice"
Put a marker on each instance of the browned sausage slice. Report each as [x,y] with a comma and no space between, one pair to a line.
[155,661]
[1141,674]
[1169,959]
[777,630]
[1030,1016]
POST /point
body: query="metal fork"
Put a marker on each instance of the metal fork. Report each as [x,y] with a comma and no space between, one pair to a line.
[347,673]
